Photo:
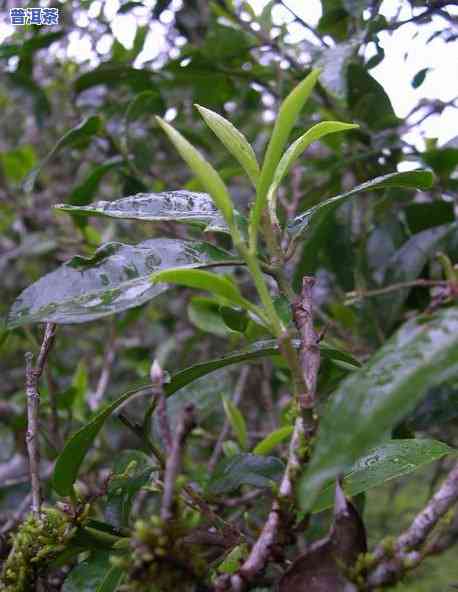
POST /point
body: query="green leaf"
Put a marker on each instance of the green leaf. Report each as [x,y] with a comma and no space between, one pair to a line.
[245,469]
[131,471]
[203,170]
[406,265]
[388,461]
[236,320]
[75,449]
[113,75]
[372,400]
[284,124]
[78,135]
[256,350]
[272,440]
[297,148]
[89,575]
[174,206]
[205,315]
[112,580]
[233,140]
[367,99]
[314,217]
[333,63]
[237,422]
[83,192]
[114,279]
[438,407]
[419,77]
[202,280]
[234,559]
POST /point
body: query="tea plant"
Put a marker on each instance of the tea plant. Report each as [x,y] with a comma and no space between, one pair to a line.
[173,513]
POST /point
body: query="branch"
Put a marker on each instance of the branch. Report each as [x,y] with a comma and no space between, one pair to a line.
[33,403]
[356,295]
[157,379]
[407,552]
[172,467]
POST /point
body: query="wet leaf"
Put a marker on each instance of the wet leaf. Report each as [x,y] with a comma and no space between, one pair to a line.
[388,461]
[170,206]
[372,400]
[234,141]
[272,440]
[79,135]
[114,279]
[245,469]
[203,170]
[287,116]
[311,220]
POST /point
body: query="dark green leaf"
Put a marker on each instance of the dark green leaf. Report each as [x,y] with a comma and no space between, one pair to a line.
[372,400]
[83,192]
[115,278]
[77,136]
[88,575]
[245,469]
[368,100]
[419,77]
[333,62]
[406,265]
[311,220]
[116,75]
[70,459]
[131,471]
[147,103]
[236,320]
[388,461]
[439,406]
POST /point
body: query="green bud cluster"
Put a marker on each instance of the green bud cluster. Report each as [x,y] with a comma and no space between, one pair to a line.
[36,542]
[159,562]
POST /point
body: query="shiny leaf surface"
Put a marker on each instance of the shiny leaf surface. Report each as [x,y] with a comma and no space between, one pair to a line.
[169,206]
[388,461]
[114,279]
[245,469]
[370,402]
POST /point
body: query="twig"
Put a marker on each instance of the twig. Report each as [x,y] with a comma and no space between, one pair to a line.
[239,388]
[173,463]
[407,552]
[33,402]
[309,355]
[300,20]
[157,379]
[105,374]
[359,295]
